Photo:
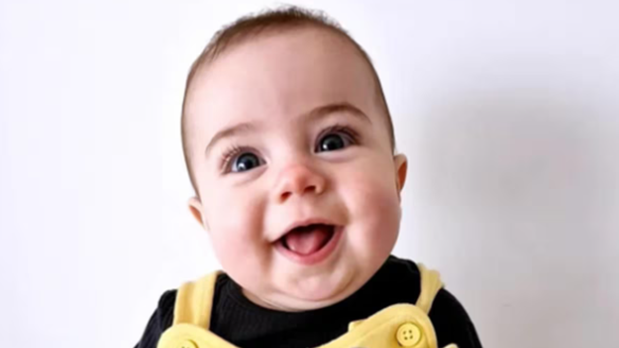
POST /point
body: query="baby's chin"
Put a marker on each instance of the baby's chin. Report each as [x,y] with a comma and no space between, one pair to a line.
[317,293]
[309,293]
[291,287]
[300,301]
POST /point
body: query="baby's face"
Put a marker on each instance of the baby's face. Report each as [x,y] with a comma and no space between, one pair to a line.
[298,184]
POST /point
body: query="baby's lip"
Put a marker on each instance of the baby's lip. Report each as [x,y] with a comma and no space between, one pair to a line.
[302,223]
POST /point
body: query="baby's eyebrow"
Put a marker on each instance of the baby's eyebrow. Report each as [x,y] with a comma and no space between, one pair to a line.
[314,114]
[235,130]
[325,110]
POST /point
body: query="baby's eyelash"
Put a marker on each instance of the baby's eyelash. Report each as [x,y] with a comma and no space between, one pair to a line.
[340,128]
[228,155]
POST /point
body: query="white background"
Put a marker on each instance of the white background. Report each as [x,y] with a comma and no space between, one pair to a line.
[508,111]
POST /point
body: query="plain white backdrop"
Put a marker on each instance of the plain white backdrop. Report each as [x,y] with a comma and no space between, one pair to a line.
[507,110]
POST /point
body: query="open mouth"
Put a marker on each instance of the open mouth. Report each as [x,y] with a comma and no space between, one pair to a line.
[309,244]
[306,240]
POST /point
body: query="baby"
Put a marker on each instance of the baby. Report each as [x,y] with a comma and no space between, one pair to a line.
[290,149]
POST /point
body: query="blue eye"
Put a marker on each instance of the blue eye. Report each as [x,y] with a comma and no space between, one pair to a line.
[246,161]
[332,142]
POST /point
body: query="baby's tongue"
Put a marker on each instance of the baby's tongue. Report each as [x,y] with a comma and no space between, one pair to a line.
[307,240]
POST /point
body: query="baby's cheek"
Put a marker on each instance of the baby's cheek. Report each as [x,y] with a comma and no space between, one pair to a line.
[235,243]
[372,186]
[235,223]
[373,202]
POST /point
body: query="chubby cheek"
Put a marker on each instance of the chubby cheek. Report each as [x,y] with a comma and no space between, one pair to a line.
[235,223]
[374,208]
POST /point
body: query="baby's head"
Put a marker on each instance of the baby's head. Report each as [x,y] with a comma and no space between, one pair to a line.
[290,149]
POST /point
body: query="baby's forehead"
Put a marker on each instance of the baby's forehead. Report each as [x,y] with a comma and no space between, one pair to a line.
[291,44]
[277,73]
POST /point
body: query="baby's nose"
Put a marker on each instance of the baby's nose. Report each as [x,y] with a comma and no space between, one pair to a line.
[298,180]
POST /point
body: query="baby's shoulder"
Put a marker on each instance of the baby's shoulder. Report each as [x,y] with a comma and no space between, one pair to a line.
[165,310]
[159,321]
[401,273]
[449,318]
[406,274]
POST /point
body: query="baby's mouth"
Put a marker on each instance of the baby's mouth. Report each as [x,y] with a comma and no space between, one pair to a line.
[306,240]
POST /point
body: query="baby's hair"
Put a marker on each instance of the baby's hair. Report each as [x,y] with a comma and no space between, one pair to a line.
[251,26]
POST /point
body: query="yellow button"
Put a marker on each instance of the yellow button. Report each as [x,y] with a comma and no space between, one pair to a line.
[186,344]
[408,335]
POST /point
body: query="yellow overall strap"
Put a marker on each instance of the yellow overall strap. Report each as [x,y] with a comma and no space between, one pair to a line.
[430,286]
[194,301]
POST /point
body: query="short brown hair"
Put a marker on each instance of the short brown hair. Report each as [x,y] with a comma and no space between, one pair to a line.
[250,26]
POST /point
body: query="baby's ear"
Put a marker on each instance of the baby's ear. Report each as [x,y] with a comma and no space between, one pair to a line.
[401,166]
[197,210]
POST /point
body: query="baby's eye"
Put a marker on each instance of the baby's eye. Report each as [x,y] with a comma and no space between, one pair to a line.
[244,162]
[333,142]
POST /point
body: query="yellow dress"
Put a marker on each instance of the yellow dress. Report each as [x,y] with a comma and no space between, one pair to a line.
[400,325]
